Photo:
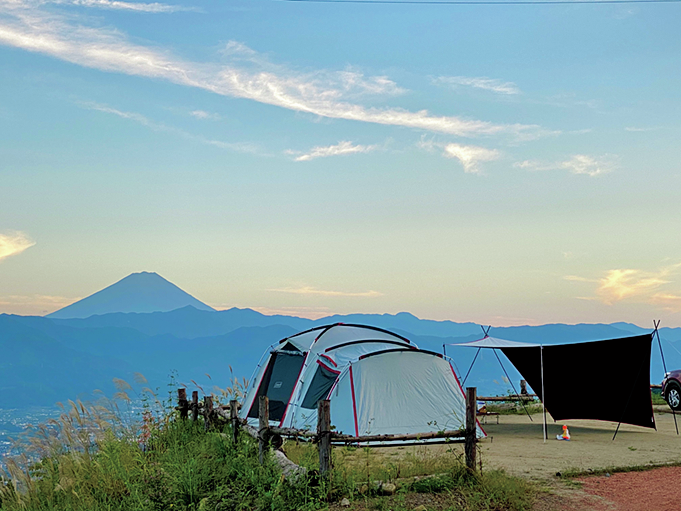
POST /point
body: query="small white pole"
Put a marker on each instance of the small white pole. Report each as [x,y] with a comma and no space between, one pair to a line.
[543,395]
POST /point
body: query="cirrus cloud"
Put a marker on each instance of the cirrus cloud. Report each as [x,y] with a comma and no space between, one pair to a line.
[484,83]
[14,242]
[632,284]
[340,149]
[578,164]
[247,75]
[313,291]
[468,155]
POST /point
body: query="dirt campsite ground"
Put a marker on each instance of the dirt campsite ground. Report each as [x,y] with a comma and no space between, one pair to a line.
[516,445]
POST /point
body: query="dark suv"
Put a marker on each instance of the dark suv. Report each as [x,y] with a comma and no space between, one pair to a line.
[671,389]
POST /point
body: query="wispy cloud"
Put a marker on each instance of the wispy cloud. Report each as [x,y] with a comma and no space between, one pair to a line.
[640,130]
[201,114]
[632,284]
[33,304]
[14,242]
[577,164]
[469,156]
[312,291]
[484,83]
[668,301]
[154,7]
[321,94]
[242,147]
[115,5]
[340,149]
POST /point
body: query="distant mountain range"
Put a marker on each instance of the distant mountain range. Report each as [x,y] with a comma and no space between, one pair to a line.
[67,355]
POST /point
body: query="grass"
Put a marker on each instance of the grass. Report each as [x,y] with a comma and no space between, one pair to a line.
[573,473]
[657,397]
[416,471]
[92,460]
[514,408]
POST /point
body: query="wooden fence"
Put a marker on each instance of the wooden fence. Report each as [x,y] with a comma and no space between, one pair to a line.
[325,438]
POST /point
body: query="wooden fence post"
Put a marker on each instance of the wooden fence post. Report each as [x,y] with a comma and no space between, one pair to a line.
[183,404]
[523,387]
[195,405]
[324,435]
[264,426]
[471,426]
[234,419]
[208,411]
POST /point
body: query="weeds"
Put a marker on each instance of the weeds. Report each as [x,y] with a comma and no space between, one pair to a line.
[96,458]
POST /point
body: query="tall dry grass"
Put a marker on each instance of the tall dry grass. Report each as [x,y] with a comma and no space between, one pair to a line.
[98,457]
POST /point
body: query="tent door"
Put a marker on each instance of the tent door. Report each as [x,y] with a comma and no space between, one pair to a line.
[277,383]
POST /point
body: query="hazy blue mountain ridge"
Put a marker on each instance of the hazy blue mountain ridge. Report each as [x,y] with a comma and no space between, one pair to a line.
[36,370]
[187,322]
[64,355]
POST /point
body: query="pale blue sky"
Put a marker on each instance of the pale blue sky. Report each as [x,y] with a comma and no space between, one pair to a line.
[499,164]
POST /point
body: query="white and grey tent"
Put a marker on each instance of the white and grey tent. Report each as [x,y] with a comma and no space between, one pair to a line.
[378,382]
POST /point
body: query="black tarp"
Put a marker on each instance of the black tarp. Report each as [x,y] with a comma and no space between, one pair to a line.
[601,380]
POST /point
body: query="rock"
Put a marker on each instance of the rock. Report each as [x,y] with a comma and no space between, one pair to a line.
[420,508]
[363,489]
[345,502]
[388,489]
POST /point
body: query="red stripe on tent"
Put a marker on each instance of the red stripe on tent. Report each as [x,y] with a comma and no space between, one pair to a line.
[281,422]
[334,371]
[354,404]
[329,359]
[328,396]
[464,394]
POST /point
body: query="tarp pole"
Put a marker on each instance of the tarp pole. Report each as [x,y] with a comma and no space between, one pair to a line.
[543,396]
[664,364]
[471,367]
[511,382]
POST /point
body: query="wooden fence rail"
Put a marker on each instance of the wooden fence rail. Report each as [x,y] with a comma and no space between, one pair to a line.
[324,437]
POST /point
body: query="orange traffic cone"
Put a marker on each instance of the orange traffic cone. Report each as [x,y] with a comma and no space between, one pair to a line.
[565,435]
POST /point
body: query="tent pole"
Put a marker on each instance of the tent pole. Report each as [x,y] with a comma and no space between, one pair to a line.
[664,364]
[471,367]
[511,382]
[543,396]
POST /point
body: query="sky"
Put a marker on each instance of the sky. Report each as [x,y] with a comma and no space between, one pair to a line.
[503,164]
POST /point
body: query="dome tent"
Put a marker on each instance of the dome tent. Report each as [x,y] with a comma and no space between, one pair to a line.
[378,382]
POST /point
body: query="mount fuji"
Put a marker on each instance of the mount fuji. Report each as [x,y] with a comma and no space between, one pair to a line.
[142,292]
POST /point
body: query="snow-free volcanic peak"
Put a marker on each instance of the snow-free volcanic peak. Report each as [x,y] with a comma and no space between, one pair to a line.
[138,292]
